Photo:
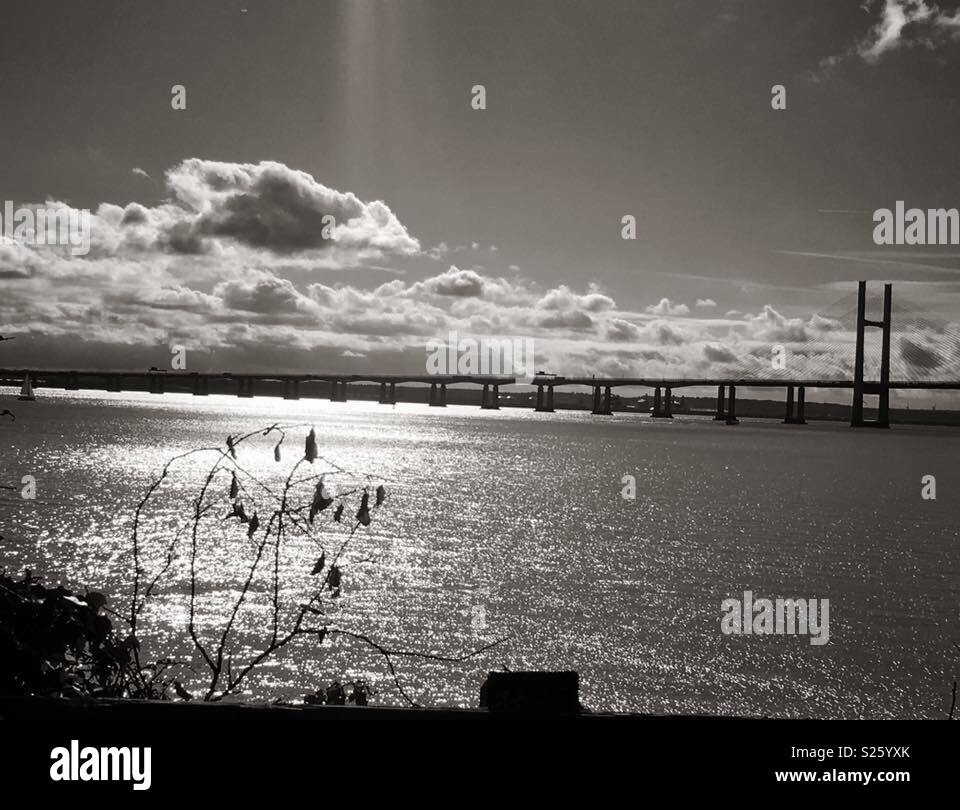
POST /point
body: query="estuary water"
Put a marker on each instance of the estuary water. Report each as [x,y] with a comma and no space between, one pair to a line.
[511,524]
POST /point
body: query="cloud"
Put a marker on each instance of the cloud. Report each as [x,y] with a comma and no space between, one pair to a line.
[264,293]
[901,24]
[718,354]
[667,335]
[619,330]
[438,251]
[574,319]
[563,297]
[667,307]
[771,325]
[456,282]
[706,302]
[184,271]
[268,205]
[919,357]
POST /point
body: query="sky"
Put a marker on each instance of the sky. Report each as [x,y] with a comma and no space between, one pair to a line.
[751,222]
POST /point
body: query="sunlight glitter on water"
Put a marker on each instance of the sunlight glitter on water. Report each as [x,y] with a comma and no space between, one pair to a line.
[519,513]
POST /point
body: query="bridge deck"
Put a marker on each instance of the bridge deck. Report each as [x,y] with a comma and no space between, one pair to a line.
[474,379]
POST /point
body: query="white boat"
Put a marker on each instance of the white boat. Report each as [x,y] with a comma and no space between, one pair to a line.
[26,393]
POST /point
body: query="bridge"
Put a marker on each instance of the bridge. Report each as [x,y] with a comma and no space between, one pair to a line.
[914,327]
[158,381]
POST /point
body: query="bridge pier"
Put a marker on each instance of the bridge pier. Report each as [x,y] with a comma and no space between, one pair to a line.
[201,386]
[157,384]
[794,416]
[720,415]
[732,407]
[491,397]
[339,392]
[438,395]
[662,404]
[601,401]
[244,387]
[385,398]
[545,404]
[291,389]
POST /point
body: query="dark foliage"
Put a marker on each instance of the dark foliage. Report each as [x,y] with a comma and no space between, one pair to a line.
[54,642]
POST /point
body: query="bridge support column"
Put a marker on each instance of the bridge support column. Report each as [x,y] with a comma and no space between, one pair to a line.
[732,407]
[201,386]
[660,409]
[438,395]
[491,397]
[601,401]
[244,387]
[339,392]
[545,398]
[291,389]
[788,417]
[860,387]
[384,398]
[668,404]
[72,383]
[794,416]
[720,416]
[156,384]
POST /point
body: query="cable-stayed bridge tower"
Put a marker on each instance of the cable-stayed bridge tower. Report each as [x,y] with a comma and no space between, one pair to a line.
[860,386]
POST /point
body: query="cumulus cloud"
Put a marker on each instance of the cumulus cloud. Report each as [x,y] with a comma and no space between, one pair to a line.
[718,354]
[619,330]
[231,267]
[563,298]
[269,205]
[773,326]
[266,209]
[264,293]
[666,334]
[667,307]
[706,302]
[456,282]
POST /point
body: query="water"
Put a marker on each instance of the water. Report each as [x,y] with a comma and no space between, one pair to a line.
[511,523]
